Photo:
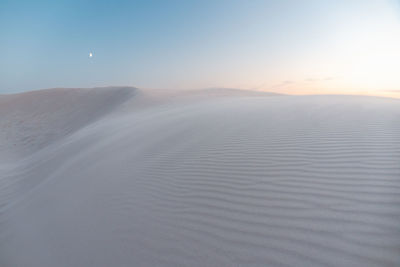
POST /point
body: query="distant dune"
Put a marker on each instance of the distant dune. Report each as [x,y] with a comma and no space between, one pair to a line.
[219,177]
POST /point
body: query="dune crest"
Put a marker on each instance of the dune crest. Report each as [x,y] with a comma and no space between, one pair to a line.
[32,120]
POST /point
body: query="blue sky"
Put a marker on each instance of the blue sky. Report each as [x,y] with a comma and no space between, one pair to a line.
[289,46]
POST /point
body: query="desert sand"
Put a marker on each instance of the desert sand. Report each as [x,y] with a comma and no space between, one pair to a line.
[128,177]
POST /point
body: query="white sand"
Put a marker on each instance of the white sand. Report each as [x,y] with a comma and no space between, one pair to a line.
[124,177]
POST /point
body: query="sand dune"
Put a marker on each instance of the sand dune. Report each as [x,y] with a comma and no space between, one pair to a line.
[30,121]
[132,178]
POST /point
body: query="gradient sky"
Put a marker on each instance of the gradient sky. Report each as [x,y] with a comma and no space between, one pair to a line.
[297,46]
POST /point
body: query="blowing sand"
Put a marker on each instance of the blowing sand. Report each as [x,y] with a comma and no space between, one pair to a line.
[127,177]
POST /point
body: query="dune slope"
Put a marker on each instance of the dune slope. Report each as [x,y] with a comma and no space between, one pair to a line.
[248,180]
[32,120]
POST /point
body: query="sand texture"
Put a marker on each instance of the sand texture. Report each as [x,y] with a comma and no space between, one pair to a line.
[129,177]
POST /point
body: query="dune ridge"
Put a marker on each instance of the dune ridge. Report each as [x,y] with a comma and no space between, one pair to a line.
[250,180]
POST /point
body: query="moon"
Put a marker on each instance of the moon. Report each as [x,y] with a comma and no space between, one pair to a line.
[90,54]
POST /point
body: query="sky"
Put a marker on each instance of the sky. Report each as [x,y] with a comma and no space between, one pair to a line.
[284,46]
